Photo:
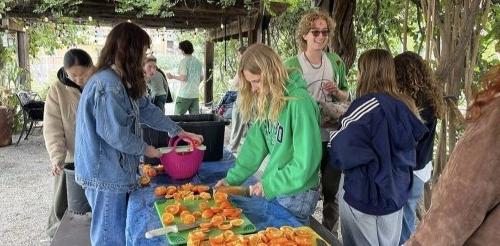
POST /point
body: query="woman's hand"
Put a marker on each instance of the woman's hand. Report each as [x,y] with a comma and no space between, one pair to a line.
[221,182]
[56,169]
[330,87]
[256,189]
[152,152]
[198,139]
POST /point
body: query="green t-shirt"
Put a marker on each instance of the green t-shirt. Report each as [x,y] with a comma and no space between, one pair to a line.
[191,68]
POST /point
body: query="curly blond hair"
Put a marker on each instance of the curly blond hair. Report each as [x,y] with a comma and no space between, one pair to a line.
[307,23]
[268,104]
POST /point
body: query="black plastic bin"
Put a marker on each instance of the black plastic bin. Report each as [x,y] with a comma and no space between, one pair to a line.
[210,126]
[77,202]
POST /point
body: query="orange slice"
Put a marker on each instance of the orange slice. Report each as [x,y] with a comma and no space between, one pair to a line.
[237,222]
[303,241]
[207,214]
[188,219]
[226,225]
[167,218]
[205,196]
[205,225]
[220,196]
[197,214]
[173,209]
[217,220]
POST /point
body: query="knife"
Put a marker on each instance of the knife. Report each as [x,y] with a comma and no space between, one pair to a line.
[170,229]
[234,190]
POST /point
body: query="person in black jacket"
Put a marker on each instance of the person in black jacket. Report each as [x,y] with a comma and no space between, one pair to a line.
[414,78]
[375,148]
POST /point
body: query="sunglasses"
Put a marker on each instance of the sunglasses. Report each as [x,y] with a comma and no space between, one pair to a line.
[316,33]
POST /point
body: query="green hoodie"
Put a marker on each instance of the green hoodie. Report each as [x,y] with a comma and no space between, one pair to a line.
[293,143]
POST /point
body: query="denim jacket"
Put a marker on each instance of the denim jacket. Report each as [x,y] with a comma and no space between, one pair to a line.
[109,142]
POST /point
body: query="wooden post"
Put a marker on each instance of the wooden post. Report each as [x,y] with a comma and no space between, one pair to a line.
[209,66]
[240,32]
[22,54]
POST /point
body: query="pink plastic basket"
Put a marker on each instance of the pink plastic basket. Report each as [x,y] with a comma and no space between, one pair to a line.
[182,164]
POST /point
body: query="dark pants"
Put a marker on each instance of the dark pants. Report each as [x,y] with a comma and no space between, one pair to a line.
[160,102]
[330,178]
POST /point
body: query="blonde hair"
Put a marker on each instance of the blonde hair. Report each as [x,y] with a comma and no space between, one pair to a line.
[268,104]
[307,23]
[377,75]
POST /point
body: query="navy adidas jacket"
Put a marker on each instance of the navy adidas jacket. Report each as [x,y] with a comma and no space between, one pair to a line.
[375,148]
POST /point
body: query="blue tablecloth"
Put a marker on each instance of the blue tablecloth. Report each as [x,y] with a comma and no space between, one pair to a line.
[142,217]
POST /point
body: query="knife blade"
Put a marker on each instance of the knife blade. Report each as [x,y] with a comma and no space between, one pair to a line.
[234,190]
[170,229]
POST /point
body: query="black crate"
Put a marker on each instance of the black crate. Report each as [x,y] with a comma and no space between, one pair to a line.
[210,126]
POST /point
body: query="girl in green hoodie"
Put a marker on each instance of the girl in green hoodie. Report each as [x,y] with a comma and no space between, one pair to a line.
[285,127]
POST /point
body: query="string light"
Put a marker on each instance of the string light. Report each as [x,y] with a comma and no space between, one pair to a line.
[46,19]
[129,21]
[221,26]
[90,18]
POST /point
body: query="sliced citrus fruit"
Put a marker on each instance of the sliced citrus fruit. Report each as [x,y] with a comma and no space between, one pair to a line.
[237,222]
[167,218]
[226,225]
[173,209]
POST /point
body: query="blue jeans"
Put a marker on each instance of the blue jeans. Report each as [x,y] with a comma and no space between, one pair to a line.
[109,212]
[301,205]
[409,210]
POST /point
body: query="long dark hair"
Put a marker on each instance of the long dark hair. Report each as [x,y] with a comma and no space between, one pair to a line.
[415,78]
[124,48]
[77,57]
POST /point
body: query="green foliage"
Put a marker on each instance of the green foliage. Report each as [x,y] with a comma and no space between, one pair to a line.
[489,44]
[146,7]
[50,36]
[283,29]
[58,8]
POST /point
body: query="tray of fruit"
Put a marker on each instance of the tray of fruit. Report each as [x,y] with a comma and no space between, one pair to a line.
[194,205]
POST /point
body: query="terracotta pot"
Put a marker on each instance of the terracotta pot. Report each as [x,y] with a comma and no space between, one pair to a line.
[5,126]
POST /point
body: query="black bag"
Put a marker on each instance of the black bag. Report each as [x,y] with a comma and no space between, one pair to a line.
[169,95]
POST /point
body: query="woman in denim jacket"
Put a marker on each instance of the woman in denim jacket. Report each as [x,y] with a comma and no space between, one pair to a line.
[108,134]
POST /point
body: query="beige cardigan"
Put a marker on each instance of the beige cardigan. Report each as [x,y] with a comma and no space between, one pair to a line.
[59,123]
[465,207]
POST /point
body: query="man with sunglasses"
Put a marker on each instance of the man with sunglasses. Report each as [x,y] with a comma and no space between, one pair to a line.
[325,76]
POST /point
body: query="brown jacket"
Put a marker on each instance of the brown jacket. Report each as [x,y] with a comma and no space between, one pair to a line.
[465,207]
[59,122]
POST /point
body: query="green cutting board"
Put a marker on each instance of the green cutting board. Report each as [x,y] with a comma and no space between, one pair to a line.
[181,237]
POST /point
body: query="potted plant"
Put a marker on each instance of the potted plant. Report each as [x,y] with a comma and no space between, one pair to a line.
[7,113]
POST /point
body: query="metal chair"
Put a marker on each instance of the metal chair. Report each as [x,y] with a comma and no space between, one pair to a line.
[32,108]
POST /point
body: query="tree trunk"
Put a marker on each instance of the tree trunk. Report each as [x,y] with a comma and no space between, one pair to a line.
[344,41]
[405,26]
[455,27]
